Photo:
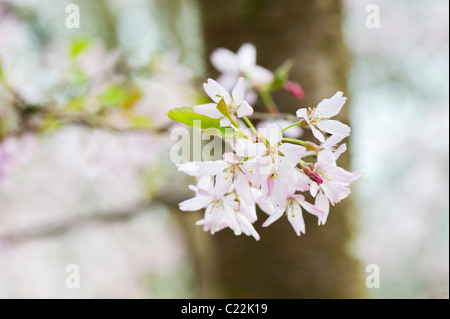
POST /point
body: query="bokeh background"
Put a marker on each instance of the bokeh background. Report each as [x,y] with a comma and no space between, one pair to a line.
[102,193]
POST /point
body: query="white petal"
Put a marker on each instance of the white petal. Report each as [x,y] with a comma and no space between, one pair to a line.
[338,152]
[209,109]
[274,217]
[265,204]
[292,153]
[326,156]
[244,109]
[334,127]
[239,91]
[332,141]
[216,91]
[243,188]
[314,188]
[246,226]
[230,219]
[330,107]
[189,168]
[303,182]
[330,190]
[317,134]
[272,133]
[260,76]
[224,61]
[323,204]
[314,210]
[223,184]
[211,168]
[247,148]
[278,191]
[295,217]
[228,81]
[195,203]
[302,113]
[247,56]
[287,172]
[357,175]
[224,122]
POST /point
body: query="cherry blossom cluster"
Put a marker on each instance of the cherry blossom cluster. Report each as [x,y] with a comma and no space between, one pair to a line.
[265,168]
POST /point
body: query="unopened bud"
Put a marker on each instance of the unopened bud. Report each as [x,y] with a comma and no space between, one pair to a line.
[295,89]
[312,175]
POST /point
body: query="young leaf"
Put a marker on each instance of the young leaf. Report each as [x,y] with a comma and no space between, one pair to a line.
[223,108]
[187,116]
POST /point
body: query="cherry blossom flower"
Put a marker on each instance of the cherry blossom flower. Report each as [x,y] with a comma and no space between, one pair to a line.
[222,210]
[237,105]
[228,171]
[240,64]
[318,118]
[293,210]
[333,180]
[273,167]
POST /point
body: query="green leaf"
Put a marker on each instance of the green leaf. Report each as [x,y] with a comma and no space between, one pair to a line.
[78,45]
[281,75]
[186,115]
[223,108]
[208,125]
[226,132]
[138,121]
[1,72]
[113,96]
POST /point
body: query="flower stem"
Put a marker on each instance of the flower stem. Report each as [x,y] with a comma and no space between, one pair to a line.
[286,128]
[268,102]
[292,140]
[250,125]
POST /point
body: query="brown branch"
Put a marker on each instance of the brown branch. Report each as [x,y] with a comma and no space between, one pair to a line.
[274,116]
[47,231]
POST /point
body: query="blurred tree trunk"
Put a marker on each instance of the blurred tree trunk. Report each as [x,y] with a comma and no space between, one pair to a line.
[282,265]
